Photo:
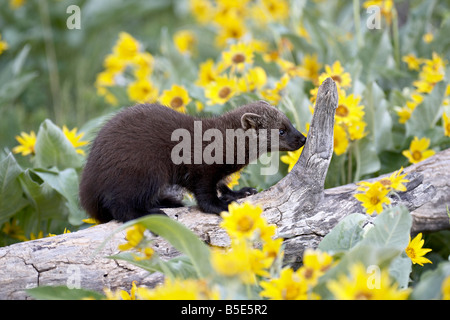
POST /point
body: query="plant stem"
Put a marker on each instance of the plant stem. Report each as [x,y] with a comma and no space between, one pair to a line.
[357,22]
[50,54]
[349,165]
[358,161]
[395,37]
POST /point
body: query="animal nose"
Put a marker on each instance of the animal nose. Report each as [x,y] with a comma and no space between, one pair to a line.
[301,140]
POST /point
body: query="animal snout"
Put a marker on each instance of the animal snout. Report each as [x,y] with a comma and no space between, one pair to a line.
[301,140]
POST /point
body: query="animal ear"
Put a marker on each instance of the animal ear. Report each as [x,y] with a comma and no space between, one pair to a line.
[250,121]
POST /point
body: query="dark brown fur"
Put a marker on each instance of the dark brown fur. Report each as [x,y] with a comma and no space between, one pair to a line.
[129,168]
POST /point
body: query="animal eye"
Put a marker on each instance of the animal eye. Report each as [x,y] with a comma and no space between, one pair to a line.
[282,132]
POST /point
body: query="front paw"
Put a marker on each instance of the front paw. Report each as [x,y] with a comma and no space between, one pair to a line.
[228,198]
[245,192]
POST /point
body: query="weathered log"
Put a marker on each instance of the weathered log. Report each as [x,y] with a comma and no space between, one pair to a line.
[300,207]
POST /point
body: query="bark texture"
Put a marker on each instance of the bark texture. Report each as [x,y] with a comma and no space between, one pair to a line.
[300,207]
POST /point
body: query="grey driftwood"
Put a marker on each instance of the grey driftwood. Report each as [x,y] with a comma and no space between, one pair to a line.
[300,207]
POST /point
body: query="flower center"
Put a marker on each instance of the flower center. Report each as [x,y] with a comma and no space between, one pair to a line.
[291,292]
[374,200]
[245,224]
[224,92]
[176,102]
[386,182]
[238,58]
[362,295]
[410,252]
[337,78]
[342,110]
[417,155]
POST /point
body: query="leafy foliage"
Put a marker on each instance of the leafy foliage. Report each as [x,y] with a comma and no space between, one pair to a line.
[394,81]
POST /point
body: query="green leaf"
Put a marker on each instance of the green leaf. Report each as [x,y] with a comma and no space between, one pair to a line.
[345,235]
[46,202]
[178,267]
[391,229]
[183,239]
[53,149]
[11,195]
[426,114]
[379,122]
[65,183]
[368,255]
[400,269]
[430,284]
[63,293]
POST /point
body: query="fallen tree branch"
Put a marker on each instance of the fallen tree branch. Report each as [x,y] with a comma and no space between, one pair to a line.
[300,207]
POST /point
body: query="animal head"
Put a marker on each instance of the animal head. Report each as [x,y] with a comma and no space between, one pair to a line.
[261,115]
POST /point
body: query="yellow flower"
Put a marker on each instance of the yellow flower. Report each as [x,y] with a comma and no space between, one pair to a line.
[291,158]
[432,72]
[75,139]
[241,261]
[272,248]
[147,253]
[126,47]
[91,221]
[40,235]
[242,220]
[374,198]
[207,73]
[221,90]
[350,114]
[64,232]
[363,285]
[340,140]
[423,86]
[415,251]
[302,32]
[202,10]
[445,290]
[13,230]
[428,37]
[179,289]
[142,90]
[230,263]
[412,61]
[395,181]
[129,296]
[418,150]
[27,143]
[233,28]
[238,57]
[135,235]
[143,63]
[176,98]
[233,179]
[185,41]
[315,264]
[273,96]
[259,263]
[386,8]
[403,113]
[14,4]
[336,72]
[276,10]
[3,45]
[446,123]
[114,64]
[289,286]
[309,68]
[254,79]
